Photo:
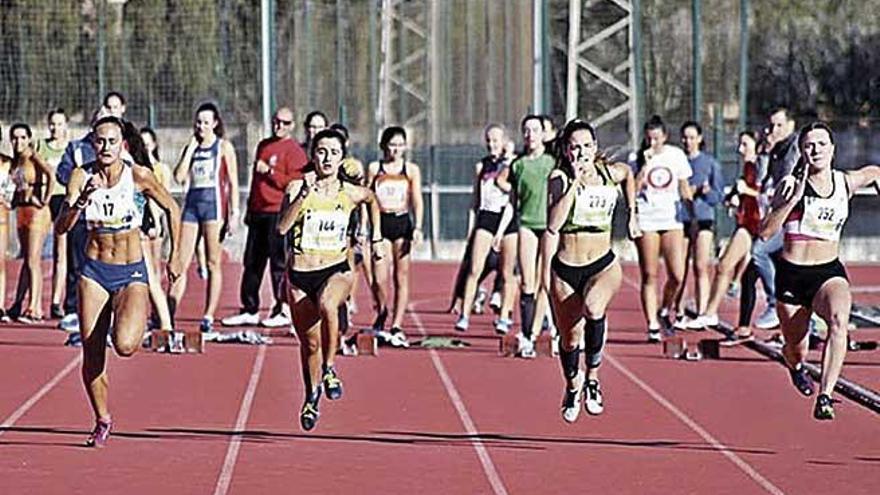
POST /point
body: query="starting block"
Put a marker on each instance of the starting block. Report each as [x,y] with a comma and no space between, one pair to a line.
[546,345]
[176,342]
[709,348]
[674,347]
[366,344]
[507,345]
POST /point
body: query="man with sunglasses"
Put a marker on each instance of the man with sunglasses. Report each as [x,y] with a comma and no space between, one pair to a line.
[279,160]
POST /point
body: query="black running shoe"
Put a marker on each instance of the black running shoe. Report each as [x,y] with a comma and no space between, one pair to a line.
[308,416]
[379,322]
[801,380]
[56,312]
[824,410]
[332,383]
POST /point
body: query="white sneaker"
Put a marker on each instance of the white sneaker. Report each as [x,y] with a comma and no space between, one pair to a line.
[279,319]
[768,319]
[495,302]
[462,324]
[398,339]
[70,323]
[682,322]
[477,308]
[593,398]
[383,336]
[703,321]
[525,347]
[241,319]
[571,405]
[503,326]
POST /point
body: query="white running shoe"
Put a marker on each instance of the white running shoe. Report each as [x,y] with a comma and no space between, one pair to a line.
[241,320]
[383,336]
[462,324]
[279,319]
[571,405]
[477,309]
[398,339]
[593,398]
[525,347]
[70,323]
[682,322]
[768,319]
[495,302]
[503,326]
[702,322]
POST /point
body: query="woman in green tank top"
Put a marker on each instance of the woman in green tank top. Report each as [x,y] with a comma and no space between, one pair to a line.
[584,274]
[526,179]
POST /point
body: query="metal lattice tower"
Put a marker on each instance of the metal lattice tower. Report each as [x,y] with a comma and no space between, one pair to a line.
[610,67]
[407,75]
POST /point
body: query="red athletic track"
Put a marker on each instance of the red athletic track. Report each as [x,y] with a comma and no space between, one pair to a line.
[447,421]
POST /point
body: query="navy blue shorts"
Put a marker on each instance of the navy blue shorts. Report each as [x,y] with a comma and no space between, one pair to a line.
[201,205]
[114,278]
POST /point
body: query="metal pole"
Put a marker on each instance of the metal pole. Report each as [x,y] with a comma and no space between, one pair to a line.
[307,37]
[99,37]
[273,57]
[151,115]
[638,76]
[537,58]
[717,132]
[743,62]
[574,32]
[374,67]
[434,61]
[545,57]
[265,70]
[340,59]
[697,53]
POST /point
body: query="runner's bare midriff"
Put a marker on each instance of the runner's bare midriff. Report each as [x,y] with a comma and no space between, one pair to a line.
[312,262]
[118,248]
[582,248]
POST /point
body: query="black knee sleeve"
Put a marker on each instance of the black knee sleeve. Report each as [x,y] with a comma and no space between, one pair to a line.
[594,341]
[343,318]
[527,313]
[570,361]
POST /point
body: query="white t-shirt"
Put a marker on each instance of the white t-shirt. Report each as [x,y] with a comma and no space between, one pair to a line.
[660,194]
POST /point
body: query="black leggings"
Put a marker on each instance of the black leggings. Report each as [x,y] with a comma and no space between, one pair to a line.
[747,292]
[493,264]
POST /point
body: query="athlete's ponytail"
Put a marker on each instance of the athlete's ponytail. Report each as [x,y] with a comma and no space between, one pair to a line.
[655,122]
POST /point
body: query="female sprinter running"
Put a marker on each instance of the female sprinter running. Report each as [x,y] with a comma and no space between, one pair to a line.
[397,184]
[51,150]
[492,227]
[662,173]
[584,277]
[706,185]
[113,285]
[811,210]
[526,180]
[748,220]
[34,181]
[319,273]
[209,163]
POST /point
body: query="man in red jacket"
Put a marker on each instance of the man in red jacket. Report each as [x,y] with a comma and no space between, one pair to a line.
[279,160]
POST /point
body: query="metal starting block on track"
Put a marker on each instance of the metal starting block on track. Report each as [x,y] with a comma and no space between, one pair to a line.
[174,342]
[676,347]
[366,344]
[545,345]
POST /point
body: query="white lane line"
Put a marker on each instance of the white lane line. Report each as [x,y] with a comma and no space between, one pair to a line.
[693,425]
[240,423]
[724,450]
[28,404]
[483,454]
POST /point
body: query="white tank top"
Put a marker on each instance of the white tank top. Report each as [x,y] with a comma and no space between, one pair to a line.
[115,209]
[492,198]
[816,217]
